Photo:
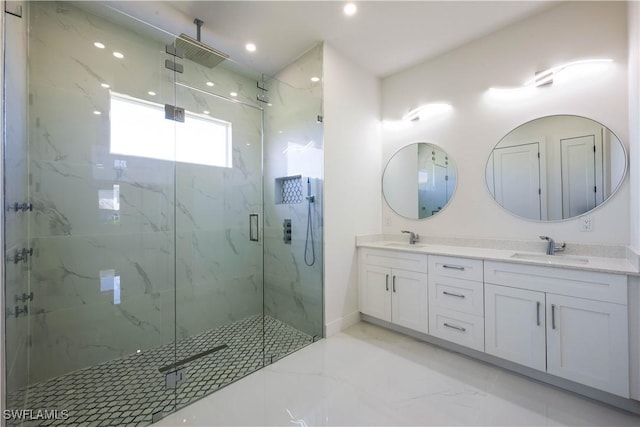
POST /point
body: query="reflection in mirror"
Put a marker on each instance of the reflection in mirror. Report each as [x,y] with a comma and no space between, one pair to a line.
[419,180]
[555,168]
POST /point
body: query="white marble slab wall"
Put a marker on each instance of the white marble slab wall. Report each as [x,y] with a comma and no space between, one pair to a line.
[294,146]
[114,234]
[16,191]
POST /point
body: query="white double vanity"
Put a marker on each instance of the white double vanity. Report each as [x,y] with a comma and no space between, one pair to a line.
[552,317]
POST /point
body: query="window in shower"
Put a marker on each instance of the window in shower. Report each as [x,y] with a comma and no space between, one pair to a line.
[139,128]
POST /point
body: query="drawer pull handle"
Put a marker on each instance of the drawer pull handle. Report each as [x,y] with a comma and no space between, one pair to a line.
[553,316]
[538,312]
[394,283]
[453,267]
[453,295]
[459,328]
[386,282]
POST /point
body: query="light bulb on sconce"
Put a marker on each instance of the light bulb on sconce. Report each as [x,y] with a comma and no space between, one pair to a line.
[427,111]
[568,71]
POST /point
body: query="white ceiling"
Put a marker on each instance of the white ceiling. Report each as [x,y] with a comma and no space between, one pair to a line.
[384,37]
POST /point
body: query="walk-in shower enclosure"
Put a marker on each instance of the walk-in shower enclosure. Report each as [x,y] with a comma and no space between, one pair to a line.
[162,220]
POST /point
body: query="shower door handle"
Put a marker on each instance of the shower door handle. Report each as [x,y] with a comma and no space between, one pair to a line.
[254,227]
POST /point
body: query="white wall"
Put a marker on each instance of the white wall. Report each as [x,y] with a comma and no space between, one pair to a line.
[352,180]
[634,119]
[509,57]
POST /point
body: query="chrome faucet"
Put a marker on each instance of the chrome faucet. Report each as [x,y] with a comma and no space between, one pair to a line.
[413,237]
[551,246]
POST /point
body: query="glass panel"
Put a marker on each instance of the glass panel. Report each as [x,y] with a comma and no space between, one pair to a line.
[219,284]
[294,152]
[99,284]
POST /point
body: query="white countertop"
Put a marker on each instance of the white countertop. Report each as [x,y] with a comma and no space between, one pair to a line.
[577,262]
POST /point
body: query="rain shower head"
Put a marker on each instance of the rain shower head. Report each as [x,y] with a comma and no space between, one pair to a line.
[199,52]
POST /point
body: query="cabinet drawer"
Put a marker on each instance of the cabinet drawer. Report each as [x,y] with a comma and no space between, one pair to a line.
[582,284]
[460,268]
[460,328]
[464,296]
[394,259]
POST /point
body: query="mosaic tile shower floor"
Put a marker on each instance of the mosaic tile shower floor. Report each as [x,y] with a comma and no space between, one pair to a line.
[128,391]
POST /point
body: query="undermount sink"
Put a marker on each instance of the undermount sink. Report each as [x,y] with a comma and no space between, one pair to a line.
[551,259]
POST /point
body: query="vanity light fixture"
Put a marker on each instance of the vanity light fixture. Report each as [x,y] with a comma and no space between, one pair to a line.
[427,111]
[547,77]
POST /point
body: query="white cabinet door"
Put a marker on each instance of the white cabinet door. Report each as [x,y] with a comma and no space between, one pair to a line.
[587,342]
[375,291]
[515,325]
[409,300]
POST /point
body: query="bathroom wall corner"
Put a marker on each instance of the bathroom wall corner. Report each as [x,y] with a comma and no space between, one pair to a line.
[634,119]
[352,160]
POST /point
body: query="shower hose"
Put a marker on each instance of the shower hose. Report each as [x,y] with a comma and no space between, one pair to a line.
[309,259]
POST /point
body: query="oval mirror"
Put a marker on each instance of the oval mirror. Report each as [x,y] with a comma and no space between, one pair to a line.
[419,180]
[556,167]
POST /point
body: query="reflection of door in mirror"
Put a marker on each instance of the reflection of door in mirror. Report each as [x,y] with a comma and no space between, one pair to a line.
[581,170]
[433,191]
[516,179]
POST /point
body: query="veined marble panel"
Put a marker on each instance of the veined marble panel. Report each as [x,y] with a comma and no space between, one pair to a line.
[71,272]
[294,146]
[70,200]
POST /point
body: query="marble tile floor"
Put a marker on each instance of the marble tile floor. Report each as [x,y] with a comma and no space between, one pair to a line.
[128,391]
[369,376]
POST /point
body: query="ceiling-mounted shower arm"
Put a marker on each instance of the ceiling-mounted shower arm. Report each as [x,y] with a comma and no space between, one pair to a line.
[198,23]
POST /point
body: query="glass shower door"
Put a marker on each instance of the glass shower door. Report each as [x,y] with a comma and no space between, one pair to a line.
[90,219]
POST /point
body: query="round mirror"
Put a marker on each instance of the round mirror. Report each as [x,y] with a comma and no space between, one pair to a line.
[419,180]
[555,168]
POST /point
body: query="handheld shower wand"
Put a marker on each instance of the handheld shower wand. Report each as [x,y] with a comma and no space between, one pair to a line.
[309,260]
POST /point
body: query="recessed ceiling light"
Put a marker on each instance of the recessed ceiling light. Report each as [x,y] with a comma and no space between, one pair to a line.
[104,85]
[250,47]
[118,55]
[210,84]
[234,94]
[99,45]
[206,111]
[152,93]
[97,113]
[350,9]
[315,79]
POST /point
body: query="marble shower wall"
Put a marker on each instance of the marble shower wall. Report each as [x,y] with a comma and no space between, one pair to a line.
[294,146]
[111,233]
[16,191]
